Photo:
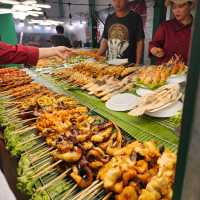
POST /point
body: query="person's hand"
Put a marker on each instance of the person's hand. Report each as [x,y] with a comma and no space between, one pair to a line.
[157,52]
[59,51]
[62,51]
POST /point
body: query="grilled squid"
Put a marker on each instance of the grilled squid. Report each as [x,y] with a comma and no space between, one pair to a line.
[102,136]
[83,176]
[97,158]
[115,142]
[70,156]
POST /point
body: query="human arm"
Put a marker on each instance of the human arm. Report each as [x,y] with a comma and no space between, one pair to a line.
[20,54]
[59,51]
[103,47]
[139,41]
[139,51]
[157,43]
[104,41]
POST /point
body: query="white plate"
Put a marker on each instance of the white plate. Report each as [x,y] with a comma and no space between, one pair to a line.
[118,62]
[143,91]
[169,111]
[177,79]
[122,102]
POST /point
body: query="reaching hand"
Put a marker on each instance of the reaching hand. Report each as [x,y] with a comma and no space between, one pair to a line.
[60,51]
[157,52]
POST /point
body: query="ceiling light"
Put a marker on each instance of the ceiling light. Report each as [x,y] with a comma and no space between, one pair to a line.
[43,6]
[12,2]
[29,2]
[47,28]
[22,7]
[19,15]
[36,27]
[29,28]
[71,27]
[21,24]
[5,11]
[36,8]
[47,22]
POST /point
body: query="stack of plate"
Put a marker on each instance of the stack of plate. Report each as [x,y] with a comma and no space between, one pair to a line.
[168,111]
[177,79]
[143,91]
[122,102]
[126,102]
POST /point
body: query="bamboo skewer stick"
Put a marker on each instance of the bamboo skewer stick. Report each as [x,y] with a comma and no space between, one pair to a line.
[9,111]
[23,127]
[42,153]
[39,164]
[24,130]
[43,156]
[35,148]
[5,92]
[107,197]
[60,177]
[28,141]
[68,193]
[95,194]
[26,120]
[10,103]
[86,190]
[6,96]
[39,173]
[26,112]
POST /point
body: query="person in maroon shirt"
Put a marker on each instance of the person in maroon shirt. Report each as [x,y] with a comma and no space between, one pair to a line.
[173,36]
[28,55]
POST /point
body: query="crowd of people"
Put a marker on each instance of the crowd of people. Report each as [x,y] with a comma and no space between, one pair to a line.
[123,37]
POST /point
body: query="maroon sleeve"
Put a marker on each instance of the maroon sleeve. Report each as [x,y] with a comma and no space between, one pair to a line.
[158,38]
[18,54]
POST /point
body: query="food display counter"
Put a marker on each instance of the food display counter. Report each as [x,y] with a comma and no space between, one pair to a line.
[69,143]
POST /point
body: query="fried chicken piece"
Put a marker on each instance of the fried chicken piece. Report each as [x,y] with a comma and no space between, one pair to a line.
[128,193]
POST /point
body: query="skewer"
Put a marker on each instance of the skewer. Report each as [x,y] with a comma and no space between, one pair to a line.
[39,158]
[31,140]
[107,197]
[35,148]
[3,93]
[38,164]
[60,177]
[86,190]
[23,127]
[24,130]
[26,112]
[39,173]
[28,120]
[6,96]
[42,153]
[68,193]
[8,111]
[95,194]
[9,103]
[82,195]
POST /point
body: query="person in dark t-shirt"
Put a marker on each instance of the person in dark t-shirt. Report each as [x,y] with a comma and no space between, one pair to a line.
[59,39]
[123,35]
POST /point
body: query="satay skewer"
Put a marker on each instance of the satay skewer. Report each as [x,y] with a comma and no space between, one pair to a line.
[40,172]
[60,177]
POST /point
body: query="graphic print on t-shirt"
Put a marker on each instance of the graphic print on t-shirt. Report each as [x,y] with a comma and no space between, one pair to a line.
[118,43]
